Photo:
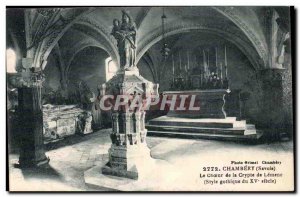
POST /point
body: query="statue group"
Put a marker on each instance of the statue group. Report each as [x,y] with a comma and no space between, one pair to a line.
[125,34]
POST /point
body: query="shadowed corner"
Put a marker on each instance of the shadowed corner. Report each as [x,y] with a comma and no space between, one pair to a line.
[43,172]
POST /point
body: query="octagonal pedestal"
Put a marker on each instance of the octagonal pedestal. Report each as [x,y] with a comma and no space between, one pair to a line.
[129,155]
[127,162]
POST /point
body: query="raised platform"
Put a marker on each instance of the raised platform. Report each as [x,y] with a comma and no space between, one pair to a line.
[226,129]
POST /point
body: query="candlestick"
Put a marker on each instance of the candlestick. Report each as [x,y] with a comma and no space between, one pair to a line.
[225,57]
[204,64]
[221,70]
[173,65]
[208,58]
[188,60]
[195,63]
[201,79]
[225,63]
[179,61]
[216,57]
[208,67]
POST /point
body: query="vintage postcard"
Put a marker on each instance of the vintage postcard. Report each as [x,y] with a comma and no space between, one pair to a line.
[150,99]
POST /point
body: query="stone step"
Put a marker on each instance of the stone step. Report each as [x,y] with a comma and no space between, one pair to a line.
[186,135]
[251,126]
[225,131]
[229,122]
[250,132]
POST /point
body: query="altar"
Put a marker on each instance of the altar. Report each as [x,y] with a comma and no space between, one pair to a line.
[208,121]
[210,102]
[203,87]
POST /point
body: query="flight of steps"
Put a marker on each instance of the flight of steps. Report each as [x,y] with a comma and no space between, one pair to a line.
[223,129]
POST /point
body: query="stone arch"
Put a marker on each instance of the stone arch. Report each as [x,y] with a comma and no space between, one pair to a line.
[93,29]
[230,35]
[80,48]
[44,48]
[95,36]
[230,13]
[97,33]
[87,72]
[148,59]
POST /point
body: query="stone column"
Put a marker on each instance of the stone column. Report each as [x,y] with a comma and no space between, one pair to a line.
[115,122]
[137,122]
[272,102]
[30,114]
[142,125]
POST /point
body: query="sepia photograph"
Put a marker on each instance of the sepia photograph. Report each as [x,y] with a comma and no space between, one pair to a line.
[150,99]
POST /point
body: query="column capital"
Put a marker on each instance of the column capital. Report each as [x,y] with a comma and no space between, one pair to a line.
[27,79]
[271,74]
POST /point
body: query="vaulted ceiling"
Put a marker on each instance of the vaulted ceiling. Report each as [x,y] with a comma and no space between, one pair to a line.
[73,29]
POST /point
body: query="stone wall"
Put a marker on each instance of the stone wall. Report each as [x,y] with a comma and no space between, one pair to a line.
[145,70]
[88,66]
[287,84]
[52,73]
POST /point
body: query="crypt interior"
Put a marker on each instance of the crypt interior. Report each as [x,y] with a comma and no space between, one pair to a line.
[239,56]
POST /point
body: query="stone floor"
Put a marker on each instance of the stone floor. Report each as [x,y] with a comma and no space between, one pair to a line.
[69,158]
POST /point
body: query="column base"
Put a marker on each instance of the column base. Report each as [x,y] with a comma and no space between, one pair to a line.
[29,163]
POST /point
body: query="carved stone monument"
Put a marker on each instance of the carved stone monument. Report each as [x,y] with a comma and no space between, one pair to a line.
[128,154]
[129,149]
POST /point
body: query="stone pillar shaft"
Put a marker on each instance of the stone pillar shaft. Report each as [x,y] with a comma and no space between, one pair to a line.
[32,151]
[272,105]
[30,114]
[137,122]
[115,122]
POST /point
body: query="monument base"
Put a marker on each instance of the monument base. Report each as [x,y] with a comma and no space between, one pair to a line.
[131,174]
[128,162]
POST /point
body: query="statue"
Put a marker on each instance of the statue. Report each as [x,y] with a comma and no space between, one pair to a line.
[86,95]
[125,34]
[84,123]
[88,123]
